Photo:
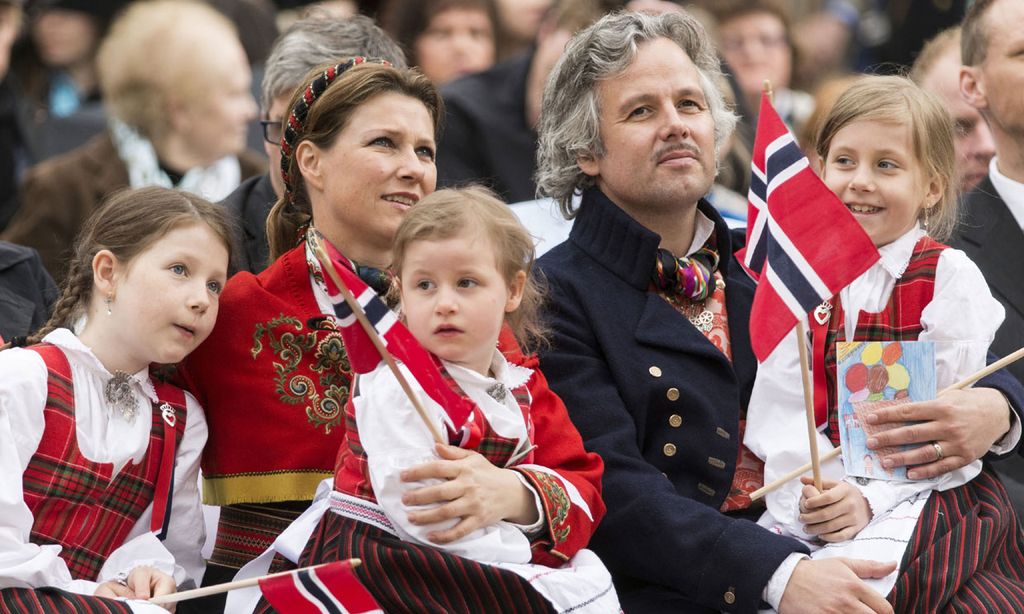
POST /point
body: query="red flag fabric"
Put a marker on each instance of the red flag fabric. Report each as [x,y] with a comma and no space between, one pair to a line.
[803,244]
[326,589]
[363,356]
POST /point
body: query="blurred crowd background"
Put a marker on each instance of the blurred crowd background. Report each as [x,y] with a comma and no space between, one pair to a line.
[99,94]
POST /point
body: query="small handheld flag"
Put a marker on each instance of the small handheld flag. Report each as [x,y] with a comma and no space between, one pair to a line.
[325,589]
[803,244]
[364,355]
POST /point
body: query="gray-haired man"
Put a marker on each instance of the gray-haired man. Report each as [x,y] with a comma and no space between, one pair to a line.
[657,375]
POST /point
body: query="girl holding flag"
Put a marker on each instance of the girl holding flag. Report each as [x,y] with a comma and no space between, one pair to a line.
[497,520]
[886,150]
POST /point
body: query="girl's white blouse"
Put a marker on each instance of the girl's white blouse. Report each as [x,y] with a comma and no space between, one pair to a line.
[104,436]
[961,319]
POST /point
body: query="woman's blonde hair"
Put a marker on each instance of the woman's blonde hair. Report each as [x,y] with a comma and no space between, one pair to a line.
[898,100]
[448,213]
[154,54]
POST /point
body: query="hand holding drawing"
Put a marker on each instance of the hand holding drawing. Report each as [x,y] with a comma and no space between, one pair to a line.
[474,490]
[965,423]
[835,514]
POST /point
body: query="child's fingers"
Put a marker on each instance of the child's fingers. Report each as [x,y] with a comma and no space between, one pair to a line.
[139,581]
[842,535]
[113,590]
[820,515]
[832,494]
[162,584]
[834,525]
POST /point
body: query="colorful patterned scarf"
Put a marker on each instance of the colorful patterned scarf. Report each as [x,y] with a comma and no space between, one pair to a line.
[688,278]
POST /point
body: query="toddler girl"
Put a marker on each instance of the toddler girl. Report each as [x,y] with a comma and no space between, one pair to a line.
[500,523]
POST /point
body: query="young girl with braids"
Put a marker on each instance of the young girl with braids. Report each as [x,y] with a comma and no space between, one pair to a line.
[886,150]
[100,457]
[502,525]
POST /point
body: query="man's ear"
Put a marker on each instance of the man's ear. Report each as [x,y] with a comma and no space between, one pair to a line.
[588,164]
[972,87]
[309,157]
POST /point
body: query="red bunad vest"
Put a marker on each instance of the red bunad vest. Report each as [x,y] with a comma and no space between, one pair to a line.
[352,475]
[73,500]
[899,321]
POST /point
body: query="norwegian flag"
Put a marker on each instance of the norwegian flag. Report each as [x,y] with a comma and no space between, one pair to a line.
[803,244]
[331,588]
[363,356]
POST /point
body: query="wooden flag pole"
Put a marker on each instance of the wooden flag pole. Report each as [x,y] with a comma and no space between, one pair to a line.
[792,475]
[988,370]
[357,310]
[805,375]
[216,589]
[964,383]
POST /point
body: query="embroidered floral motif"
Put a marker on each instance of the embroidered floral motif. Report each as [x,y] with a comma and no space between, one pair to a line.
[323,401]
[556,503]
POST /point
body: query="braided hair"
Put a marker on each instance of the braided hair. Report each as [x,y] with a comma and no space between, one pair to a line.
[126,224]
[319,112]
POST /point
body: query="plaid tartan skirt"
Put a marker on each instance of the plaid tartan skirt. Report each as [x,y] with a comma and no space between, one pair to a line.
[52,601]
[406,577]
[966,554]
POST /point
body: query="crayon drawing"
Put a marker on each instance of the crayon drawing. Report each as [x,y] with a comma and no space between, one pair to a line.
[872,375]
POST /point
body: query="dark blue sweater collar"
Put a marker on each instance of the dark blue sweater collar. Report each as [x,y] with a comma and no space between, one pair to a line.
[625,247]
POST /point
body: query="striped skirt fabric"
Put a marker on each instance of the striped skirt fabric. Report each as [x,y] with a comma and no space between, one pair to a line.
[966,554]
[52,601]
[406,577]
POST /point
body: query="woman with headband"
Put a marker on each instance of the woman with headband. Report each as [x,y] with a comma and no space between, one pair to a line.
[358,152]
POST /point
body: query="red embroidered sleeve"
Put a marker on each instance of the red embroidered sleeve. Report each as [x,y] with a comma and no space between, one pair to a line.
[559,448]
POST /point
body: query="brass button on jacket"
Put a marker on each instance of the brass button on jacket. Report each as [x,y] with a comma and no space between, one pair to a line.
[672,394]
[655,371]
[675,420]
[729,597]
[669,449]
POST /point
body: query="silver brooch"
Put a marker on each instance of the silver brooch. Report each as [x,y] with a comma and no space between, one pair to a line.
[118,394]
[498,392]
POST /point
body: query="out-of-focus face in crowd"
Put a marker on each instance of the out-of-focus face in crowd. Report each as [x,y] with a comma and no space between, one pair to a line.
[65,37]
[521,18]
[457,41]
[756,48]
[974,145]
[216,124]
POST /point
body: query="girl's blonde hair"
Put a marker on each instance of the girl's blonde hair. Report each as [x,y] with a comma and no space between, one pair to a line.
[448,213]
[898,100]
[127,223]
